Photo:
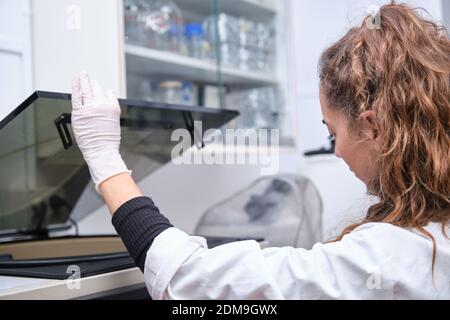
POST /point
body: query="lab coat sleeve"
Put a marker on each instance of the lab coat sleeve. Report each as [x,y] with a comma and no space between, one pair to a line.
[182,267]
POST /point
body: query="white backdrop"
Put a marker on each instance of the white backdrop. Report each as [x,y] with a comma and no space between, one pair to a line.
[15,54]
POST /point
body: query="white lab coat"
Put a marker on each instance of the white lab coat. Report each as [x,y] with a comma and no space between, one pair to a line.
[375,261]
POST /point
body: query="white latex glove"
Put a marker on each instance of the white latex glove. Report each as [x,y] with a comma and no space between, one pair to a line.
[96,125]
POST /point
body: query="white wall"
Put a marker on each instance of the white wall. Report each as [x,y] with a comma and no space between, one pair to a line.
[41,47]
[74,35]
[15,54]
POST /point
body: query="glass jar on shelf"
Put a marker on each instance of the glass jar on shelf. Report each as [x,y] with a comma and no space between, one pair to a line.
[177,92]
[137,30]
[170,92]
[188,94]
[259,107]
[242,43]
[146,91]
[195,41]
[159,24]
[222,36]
[131,12]
[230,54]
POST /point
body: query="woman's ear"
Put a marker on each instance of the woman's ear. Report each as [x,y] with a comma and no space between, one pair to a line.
[369,124]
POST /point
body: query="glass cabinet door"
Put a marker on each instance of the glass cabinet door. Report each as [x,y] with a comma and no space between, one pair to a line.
[214,53]
[252,57]
[168,56]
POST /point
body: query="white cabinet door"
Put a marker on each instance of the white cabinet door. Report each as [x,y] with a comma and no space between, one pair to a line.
[74,35]
[15,54]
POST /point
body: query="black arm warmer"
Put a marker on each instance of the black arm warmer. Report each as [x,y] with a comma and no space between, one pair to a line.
[138,222]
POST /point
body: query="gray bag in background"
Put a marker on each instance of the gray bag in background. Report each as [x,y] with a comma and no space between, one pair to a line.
[285,210]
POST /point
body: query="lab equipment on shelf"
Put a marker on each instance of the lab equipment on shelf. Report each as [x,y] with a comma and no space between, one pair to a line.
[259,107]
[188,93]
[173,92]
[170,92]
[196,44]
[156,24]
[242,43]
[146,91]
[133,32]
[213,95]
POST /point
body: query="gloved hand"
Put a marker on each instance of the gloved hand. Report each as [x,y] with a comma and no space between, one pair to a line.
[96,125]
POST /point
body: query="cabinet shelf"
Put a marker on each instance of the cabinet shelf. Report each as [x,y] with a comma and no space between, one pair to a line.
[150,62]
[251,9]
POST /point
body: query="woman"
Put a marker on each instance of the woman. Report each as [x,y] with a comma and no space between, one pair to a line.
[385,99]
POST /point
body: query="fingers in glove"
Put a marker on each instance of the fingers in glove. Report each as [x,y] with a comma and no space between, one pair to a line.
[110,94]
[97,90]
[86,90]
[112,97]
[77,101]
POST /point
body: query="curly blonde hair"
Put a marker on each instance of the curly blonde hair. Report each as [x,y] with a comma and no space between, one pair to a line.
[401,71]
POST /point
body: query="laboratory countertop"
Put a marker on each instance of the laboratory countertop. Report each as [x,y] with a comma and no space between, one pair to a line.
[21,288]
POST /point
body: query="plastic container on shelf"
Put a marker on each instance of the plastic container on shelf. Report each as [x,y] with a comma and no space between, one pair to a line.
[146,35]
[132,30]
[188,94]
[159,24]
[170,92]
[230,55]
[246,58]
[263,61]
[168,25]
[265,37]
[196,43]
[242,43]
[259,108]
[174,92]
[226,29]
[175,39]
[146,91]
[138,23]
[247,33]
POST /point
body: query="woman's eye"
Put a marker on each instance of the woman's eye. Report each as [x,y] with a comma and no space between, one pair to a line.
[332,137]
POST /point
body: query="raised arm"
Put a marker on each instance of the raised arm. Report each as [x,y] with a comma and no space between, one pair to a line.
[96,125]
